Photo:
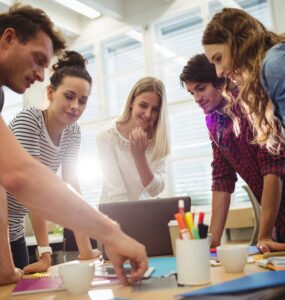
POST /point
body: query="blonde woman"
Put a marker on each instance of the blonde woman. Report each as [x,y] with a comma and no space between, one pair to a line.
[133,150]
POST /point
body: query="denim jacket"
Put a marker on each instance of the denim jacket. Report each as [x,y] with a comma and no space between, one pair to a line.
[273,78]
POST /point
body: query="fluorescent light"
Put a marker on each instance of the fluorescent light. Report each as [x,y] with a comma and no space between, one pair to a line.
[80,7]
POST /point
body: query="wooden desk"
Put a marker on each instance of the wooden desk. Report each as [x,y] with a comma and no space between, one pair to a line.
[162,288]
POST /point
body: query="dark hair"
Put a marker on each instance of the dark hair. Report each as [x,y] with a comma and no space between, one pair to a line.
[27,22]
[71,63]
[199,69]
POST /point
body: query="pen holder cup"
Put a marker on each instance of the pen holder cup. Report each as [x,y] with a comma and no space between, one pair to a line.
[174,234]
[193,264]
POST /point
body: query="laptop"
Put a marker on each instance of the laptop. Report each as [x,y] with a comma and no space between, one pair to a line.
[147,221]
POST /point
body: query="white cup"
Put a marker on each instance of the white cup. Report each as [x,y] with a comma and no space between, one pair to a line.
[233,257]
[174,234]
[193,265]
[77,276]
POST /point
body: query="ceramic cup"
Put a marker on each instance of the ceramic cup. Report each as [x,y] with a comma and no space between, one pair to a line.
[233,258]
[77,276]
[174,234]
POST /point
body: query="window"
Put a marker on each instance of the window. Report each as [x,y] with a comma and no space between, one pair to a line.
[13,104]
[180,38]
[124,65]
[91,111]
[124,59]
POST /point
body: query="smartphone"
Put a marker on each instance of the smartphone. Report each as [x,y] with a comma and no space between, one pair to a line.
[109,271]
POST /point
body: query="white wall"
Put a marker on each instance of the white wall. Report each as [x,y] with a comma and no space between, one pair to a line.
[277,9]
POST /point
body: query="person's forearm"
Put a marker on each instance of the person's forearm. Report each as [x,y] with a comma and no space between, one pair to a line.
[6,260]
[144,170]
[220,207]
[40,229]
[43,192]
[83,244]
[270,203]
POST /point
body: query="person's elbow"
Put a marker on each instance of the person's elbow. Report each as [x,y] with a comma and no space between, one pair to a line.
[19,178]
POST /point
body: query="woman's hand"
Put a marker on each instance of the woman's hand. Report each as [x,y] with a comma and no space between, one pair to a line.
[267,245]
[12,277]
[40,266]
[138,142]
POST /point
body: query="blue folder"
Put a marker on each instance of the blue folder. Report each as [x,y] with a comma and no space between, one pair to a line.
[249,283]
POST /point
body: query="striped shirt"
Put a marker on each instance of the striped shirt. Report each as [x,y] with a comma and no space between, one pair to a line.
[30,130]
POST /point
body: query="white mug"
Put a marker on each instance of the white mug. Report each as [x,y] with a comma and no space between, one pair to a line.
[233,258]
[77,276]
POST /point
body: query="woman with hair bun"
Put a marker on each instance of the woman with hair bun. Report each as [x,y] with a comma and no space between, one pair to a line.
[52,136]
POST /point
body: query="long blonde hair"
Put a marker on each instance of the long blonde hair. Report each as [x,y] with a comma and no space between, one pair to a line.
[249,41]
[159,132]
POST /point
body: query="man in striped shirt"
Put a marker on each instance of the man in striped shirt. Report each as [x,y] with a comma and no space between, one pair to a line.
[27,43]
[234,153]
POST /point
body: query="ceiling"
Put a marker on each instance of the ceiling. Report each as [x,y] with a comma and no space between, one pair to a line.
[72,23]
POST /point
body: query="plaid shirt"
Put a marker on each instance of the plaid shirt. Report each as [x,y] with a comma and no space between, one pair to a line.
[235,154]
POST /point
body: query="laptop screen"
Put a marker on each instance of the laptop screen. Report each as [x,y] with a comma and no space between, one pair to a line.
[147,221]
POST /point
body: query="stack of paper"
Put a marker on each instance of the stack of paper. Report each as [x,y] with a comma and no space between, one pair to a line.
[273,262]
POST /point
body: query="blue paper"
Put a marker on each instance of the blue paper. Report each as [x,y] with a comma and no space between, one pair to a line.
[164,266]
[245,284]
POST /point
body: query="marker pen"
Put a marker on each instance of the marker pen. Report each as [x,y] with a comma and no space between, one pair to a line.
[184,233]
[181,206]
[203,229]
[189,223]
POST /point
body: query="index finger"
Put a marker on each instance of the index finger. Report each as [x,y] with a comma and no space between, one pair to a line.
[119,269]
[138,270]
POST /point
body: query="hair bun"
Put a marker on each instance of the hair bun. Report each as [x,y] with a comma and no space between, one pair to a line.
[70,59]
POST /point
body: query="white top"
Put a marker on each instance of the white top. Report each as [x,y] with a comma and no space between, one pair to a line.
[121,180]
[30,130]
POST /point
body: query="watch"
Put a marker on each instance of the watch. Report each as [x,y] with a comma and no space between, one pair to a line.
[42,250]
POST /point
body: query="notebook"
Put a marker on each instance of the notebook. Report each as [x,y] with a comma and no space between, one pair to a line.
[147,221]
[30,285]
[274,263]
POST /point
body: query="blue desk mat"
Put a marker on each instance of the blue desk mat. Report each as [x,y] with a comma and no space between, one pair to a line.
[164,266]
[245,284]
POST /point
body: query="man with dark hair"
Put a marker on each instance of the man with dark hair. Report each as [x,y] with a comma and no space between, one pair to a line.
[28,41]
[234,152]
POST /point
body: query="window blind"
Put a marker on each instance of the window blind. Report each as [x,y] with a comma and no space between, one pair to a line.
[124,65]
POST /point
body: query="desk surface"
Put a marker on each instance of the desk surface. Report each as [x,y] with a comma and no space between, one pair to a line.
[161,288]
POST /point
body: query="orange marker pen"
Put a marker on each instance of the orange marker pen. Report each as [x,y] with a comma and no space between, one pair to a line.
[184,233]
